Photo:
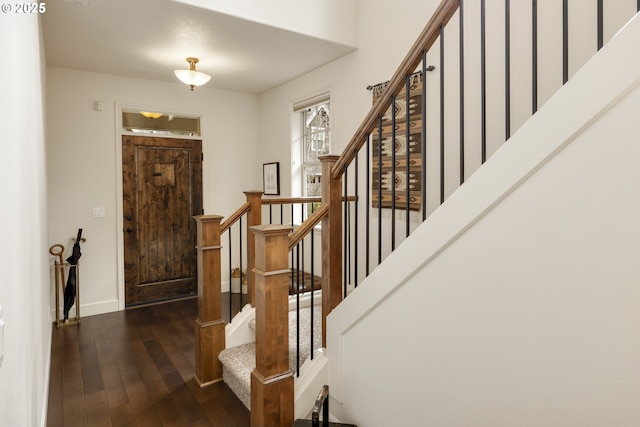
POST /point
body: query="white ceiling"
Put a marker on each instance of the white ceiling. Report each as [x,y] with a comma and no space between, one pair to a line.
[150,38]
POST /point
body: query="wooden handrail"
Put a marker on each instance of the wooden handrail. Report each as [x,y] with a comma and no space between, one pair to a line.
[234,217]
[291,200]
[227,223]
[307,226]
[427,38]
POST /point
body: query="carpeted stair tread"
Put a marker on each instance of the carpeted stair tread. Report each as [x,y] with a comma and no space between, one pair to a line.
[238,362]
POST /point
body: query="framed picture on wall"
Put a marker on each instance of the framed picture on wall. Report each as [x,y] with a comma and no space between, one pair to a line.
[271,178]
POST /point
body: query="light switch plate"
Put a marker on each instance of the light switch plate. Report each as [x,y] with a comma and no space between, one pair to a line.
[98,212]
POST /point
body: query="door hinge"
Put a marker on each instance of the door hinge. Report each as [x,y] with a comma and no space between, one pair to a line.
[202,156]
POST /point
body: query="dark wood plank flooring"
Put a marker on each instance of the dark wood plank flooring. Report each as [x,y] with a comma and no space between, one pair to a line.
[136,368]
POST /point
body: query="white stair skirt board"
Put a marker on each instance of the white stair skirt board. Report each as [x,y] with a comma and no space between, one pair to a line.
[239,361]
[314,374]
[239,331]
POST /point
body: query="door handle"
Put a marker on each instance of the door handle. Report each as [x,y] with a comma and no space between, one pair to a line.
[129,230]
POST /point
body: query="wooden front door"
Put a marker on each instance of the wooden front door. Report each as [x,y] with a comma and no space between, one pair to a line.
[162,191]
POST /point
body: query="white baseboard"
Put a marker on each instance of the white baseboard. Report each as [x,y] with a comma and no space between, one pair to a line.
[92,309]
[47,376]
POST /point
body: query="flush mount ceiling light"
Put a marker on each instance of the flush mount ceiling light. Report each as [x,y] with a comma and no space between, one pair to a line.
[192,77]
[151,115]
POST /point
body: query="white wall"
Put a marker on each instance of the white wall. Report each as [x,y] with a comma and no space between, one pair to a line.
[380,52]
[383,46]
[83,163]
[24,289]
[523,307]
[334,20]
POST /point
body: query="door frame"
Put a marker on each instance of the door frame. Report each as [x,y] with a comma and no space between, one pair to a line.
[124,107]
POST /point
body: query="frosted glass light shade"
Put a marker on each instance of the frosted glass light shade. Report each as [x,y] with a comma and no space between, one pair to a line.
[192,78]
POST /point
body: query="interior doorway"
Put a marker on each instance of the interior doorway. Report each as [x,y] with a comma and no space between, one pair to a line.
[162,192]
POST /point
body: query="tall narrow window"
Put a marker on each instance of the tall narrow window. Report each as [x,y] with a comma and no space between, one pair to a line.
[314,140]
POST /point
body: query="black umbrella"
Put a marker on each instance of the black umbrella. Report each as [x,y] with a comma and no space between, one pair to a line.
[70,288]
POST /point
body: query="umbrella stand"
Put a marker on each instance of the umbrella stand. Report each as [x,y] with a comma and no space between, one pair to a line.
[57,250]
[58,270]
[74,270]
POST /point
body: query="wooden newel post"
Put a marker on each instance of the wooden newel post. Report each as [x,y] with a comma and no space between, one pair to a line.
[210,328]
[272,381]
[253,218]
[331,241]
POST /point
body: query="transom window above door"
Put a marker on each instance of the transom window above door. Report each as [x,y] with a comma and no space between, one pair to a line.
[157,123]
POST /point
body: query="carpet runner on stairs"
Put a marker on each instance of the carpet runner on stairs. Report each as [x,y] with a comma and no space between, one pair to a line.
[238,362]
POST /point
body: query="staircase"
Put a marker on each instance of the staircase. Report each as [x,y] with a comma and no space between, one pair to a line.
[350,243]
[238,362]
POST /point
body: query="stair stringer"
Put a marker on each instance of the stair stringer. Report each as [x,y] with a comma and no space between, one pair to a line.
[240,331]
[314,374]
[500,348]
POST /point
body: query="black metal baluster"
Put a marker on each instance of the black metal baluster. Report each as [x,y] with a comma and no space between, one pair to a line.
[483,79]
[407,155]
[565,41]
[507,69]
[294,283]
[344,234]
[349,244]
[441,114]
[355,231]
[240,233]
[423,136]
[368,209]
[392,181]
[461,12]
[293,277]
[281,214]
[313,282]
[298,310]
[600,24]
[534,58]
[270,214]
[296,287]
[230,279]
[302,206]
[379,190]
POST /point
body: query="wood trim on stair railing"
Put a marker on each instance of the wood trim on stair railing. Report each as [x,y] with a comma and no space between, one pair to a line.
[300,200]
[209,326]
[427,38]
[272,399]
[307,226]
[235,217]
[254,217]
[290,200]
[331,241]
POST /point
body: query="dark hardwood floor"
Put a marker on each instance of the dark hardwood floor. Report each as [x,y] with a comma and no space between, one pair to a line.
[136,368]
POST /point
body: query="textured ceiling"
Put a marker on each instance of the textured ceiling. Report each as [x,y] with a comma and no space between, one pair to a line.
[150,38]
